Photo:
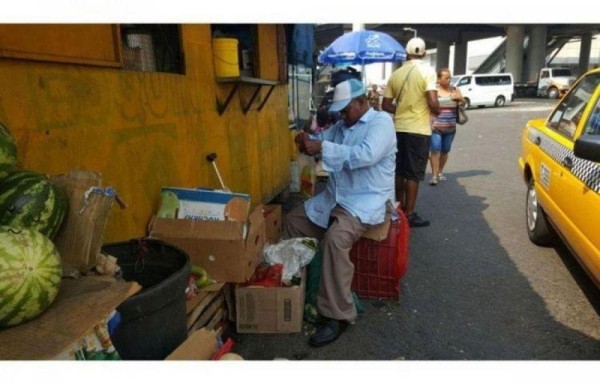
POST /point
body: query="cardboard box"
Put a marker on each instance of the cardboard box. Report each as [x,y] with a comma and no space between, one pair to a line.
[203,204]
[270,310]
[379,232]
[219,247]
[272,214]
[200,345]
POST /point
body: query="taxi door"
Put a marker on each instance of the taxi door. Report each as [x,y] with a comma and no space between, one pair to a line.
[574,183]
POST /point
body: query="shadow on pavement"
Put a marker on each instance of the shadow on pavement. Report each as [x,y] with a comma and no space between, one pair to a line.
[462,298]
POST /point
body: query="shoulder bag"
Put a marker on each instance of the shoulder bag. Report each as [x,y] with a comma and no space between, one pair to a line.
[461,115]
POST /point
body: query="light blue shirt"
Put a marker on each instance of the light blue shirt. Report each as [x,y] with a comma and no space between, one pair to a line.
[361,161]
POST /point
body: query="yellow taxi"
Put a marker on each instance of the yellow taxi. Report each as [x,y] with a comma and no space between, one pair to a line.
[560,163]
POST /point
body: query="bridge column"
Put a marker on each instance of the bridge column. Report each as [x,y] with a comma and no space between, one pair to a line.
[584,52]
[443,55]
[460,57]
[515,34]
[536,51]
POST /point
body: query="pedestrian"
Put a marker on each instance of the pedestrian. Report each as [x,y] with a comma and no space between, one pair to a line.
[374,98]
[359,152]
[411,96]
[443,128]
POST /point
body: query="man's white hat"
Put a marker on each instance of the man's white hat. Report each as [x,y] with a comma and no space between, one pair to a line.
[415,46]
[344,93]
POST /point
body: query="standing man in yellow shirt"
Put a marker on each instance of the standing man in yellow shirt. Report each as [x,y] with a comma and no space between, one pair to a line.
[411,96]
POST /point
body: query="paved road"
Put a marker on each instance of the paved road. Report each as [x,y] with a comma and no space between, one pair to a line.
[476,288]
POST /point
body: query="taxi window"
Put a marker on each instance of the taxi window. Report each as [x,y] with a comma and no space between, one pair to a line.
[565,118]
[593,124]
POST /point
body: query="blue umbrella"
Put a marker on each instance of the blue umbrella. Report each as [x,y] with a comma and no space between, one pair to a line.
[363,47]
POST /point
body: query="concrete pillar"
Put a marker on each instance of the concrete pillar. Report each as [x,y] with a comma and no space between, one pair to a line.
[536,51]
[584,52]
[443,55]
[515,35]
[460,58]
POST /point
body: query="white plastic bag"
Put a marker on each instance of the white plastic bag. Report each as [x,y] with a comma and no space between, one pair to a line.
[293,254]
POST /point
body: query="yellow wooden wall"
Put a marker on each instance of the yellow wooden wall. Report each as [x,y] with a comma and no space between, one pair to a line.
[146,130]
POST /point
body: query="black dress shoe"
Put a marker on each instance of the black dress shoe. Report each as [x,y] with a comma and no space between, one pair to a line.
[415,220]
[328,332]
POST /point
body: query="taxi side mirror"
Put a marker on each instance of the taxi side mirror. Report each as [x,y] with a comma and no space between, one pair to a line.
[588,147]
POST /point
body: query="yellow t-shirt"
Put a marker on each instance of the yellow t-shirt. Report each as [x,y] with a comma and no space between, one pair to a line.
[412,113]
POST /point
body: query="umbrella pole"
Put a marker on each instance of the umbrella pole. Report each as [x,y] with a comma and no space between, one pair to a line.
[364,73]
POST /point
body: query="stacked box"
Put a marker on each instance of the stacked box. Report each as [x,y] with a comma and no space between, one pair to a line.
[272,214]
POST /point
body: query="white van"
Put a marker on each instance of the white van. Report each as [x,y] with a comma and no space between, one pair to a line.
[495,89]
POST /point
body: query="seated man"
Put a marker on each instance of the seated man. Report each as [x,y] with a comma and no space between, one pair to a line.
[359,152]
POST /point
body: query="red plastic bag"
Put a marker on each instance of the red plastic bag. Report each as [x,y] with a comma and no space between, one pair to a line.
[226,348]
[402,246]
[267,275]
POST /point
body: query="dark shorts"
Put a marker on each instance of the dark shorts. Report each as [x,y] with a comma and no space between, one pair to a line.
[412,156]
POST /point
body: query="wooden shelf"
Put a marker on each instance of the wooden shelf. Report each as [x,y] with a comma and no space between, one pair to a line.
[251,81]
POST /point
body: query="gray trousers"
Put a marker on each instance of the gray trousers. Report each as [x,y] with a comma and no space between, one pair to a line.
[335,296]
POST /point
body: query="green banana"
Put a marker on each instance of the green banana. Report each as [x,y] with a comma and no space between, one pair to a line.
[202,278]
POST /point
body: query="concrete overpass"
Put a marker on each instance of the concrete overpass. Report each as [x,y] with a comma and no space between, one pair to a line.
[525,51]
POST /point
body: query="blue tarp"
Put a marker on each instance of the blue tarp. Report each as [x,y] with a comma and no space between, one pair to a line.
[301,45]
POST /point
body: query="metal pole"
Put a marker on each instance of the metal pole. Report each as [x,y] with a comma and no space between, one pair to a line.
[411,30]
[361,27]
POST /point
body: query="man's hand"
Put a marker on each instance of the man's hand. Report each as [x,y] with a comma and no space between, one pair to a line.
[311,147]
[299,140]
[306,145]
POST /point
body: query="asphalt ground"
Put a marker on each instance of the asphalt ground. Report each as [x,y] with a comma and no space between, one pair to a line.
[476,287]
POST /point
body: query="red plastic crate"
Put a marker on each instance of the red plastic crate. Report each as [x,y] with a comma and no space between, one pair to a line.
[379,265]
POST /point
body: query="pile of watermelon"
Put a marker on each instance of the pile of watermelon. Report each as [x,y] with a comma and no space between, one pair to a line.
[31,212]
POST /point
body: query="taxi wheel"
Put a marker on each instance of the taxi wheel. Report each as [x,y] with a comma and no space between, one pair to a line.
[539,230]
[467,103]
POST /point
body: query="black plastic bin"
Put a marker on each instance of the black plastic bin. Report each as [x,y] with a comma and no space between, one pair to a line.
[154,321]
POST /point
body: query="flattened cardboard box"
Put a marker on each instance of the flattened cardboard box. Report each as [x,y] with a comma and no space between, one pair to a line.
[217,246]
[200,345]
[272,215]
[378,232]
[270,309]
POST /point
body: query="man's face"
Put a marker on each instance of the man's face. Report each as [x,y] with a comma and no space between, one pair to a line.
[351,113]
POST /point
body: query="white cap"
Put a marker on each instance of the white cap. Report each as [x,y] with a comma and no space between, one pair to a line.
[415,46]
[344,93]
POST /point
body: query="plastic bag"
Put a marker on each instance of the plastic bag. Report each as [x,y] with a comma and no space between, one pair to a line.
[266,276]
[307,167]
[294,254]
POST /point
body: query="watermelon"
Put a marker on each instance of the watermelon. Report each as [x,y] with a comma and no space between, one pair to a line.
[29,200]
[30,273]
[8,152]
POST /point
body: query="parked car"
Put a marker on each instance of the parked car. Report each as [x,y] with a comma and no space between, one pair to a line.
[560,165]
[494,89]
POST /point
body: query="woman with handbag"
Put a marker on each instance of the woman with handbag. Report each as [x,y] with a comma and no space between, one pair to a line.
[443,126]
